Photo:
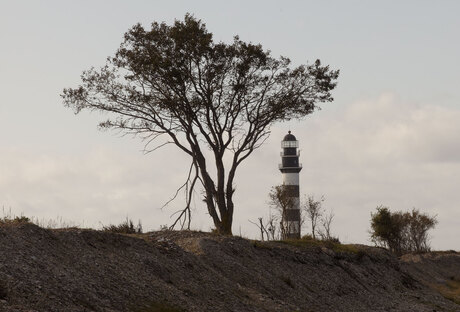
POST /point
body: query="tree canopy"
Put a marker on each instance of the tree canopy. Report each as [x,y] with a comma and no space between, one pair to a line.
[401,232]
[175,82]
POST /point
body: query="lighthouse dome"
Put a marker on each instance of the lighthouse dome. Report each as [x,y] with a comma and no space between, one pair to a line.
[289,137]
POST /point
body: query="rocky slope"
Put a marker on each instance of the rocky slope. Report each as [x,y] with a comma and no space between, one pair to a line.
[85,270]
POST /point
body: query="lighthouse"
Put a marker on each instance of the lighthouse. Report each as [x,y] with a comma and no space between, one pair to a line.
[290,169]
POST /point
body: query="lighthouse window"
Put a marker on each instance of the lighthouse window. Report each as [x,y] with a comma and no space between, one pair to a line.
[286,144]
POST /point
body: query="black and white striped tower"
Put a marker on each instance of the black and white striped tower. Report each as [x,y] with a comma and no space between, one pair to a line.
[290,169]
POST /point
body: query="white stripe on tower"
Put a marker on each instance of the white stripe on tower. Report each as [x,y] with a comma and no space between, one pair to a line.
[291,178]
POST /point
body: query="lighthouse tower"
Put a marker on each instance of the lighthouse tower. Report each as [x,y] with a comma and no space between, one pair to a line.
[290,169]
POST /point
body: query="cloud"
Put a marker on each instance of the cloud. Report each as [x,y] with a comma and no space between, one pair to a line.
[383,150]
[100,186]
[375,151]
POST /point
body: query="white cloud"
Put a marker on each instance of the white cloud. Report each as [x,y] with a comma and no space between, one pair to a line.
[384,151]
[376,151]
[103,185]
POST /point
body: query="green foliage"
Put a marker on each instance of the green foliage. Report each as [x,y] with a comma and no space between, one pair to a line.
[386,228]
[401,232]
[125,227]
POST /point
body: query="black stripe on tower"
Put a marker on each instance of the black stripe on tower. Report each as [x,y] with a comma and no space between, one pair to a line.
[290,170]
[292,215]
[290,161]
[292,190]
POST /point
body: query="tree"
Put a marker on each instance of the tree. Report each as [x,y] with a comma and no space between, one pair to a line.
[263,229]
[313,211]
[418,225]
[401,232]
[326,222]
[176,82]
[386,229]
[281,200]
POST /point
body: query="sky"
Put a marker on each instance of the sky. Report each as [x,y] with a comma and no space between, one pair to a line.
[391,137]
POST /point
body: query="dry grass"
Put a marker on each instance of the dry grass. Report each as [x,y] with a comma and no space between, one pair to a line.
[308,242]
[125,227]
[450,289]
[9,218]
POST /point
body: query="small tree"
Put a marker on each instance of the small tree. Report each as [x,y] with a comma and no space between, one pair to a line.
[282,200]
[387,229]
[418,225]
[263,231]
[313,211]
[268,228]
[401,232]
[175,85]
[326,222]
[271,227]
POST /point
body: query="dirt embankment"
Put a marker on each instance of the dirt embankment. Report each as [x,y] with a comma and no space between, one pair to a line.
[84,270]
[437,270]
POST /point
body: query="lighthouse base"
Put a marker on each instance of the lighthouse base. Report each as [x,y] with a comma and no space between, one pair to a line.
[291,227]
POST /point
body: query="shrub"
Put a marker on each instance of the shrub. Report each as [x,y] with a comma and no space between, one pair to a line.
[15,220]
[126,227]
[333,240]
[307,237]
[401,232]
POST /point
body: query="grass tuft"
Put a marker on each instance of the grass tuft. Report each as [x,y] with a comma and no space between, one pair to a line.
[14,220]
[125,227]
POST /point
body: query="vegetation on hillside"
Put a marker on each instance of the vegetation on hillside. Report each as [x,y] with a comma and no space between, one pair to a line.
[401,232]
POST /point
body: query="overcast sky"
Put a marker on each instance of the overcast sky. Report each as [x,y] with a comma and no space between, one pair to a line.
[391,137]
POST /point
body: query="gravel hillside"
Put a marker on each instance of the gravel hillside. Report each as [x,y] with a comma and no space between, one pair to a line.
[86,270]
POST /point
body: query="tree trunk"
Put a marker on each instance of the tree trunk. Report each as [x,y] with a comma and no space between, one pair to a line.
[224,228]
[216,196]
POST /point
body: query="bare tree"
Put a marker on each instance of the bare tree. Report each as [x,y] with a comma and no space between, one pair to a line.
[267,229]
[263,230]
[175,85]
[418,225]
[326,222]
[313,211]
[271,227]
